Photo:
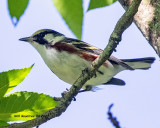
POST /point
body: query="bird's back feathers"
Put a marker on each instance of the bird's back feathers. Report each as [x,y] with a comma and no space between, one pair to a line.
[94,52]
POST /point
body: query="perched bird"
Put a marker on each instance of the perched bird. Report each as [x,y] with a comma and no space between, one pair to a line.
[67,58]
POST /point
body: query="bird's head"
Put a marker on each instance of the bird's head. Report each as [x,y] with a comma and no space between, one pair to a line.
[44,37]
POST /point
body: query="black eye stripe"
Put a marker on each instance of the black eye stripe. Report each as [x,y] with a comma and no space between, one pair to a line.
[39,38]
[41,41]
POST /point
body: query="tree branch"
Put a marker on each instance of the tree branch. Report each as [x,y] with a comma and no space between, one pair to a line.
[113,120]
[147,20]
[65,101]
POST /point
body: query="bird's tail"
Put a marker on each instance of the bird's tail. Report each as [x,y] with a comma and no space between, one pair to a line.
[139,63]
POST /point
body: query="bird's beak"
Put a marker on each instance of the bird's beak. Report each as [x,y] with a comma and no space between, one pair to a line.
[26,39]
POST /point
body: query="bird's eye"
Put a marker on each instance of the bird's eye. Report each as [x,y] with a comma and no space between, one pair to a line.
[39,39]
[41,35]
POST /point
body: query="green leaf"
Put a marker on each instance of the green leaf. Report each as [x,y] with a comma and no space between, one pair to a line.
[99,3]
[25,106]
[72,13]
[16,9]
[10,79]
[2,123]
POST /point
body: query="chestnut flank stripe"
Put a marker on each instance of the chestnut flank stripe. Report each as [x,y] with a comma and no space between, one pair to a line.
[71,49]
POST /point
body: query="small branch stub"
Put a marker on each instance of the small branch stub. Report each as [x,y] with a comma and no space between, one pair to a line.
[113,120]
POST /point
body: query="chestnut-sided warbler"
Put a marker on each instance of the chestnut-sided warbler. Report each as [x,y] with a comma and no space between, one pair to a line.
[67,58]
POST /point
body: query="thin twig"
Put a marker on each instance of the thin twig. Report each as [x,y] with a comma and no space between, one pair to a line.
[115,38]
[113,120]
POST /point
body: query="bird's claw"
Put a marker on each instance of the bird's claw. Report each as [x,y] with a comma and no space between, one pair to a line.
[64,93]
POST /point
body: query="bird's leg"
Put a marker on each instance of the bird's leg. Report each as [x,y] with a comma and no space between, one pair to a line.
[74,99]
[63,95]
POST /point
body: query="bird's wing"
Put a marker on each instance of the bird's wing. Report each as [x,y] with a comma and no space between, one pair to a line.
[80,45]
[83,46]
